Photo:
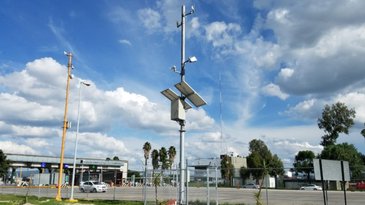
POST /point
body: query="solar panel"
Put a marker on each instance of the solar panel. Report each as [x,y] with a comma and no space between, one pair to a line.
[190,93]
[171,95]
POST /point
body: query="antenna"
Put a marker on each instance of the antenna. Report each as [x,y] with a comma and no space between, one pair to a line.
[220,115]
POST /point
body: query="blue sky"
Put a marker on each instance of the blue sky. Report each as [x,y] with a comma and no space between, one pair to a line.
[275,64]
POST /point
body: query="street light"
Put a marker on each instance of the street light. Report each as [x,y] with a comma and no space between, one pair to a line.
[76,141]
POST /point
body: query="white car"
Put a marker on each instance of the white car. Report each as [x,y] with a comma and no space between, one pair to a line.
[92,186]
[251,186]
[311,187]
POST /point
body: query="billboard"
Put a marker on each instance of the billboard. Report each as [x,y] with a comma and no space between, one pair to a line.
[332,169]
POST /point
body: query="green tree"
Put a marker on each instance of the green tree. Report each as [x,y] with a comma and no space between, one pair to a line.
[135,173]
[258,146]
[255,164]
[304,162]
[4,164]
[275,166]
[345,152]
[155,165]
[226,168]
[260,153]
[146,153]
[172,154]
[115,158]
[335,119]
[164,158]
[154,156]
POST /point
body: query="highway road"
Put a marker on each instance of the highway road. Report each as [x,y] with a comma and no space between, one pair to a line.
[225,195]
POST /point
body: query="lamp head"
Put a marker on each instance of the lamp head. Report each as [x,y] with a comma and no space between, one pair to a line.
[67,53]
[85,83]
[192,59]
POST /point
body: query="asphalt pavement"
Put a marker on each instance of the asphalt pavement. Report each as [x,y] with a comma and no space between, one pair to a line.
[222,195]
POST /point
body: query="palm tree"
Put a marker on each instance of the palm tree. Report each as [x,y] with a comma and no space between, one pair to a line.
[163,158]
[164,162]
[155,165]
[172,155]
[146,150]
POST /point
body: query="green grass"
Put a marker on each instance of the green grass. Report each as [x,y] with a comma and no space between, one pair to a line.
[19,200]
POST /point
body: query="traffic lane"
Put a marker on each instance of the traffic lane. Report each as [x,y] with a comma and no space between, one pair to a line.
[225,195]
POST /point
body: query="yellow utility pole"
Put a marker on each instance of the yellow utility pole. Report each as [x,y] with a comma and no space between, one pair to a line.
[65,126]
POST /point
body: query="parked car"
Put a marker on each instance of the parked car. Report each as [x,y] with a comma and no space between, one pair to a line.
[360,185]
[251,186]
[92,186]
[23,183]
[310,187]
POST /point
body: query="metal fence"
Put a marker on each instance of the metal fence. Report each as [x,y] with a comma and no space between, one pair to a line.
[205,185]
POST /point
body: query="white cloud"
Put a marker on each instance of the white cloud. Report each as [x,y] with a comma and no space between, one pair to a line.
[38,142]
[119,15]
[150,18]
[102,142]
[274,90]
[222,34]
[14,148]
[38,118]
[354,100]
[170,13]
[285,73]
[306,110]
[125,42]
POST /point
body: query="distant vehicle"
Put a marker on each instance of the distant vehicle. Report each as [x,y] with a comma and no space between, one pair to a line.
[360,185]
[251,186]
[92,186]
[311,187]
[23,183]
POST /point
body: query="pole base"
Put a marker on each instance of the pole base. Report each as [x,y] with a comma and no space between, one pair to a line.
[58,198]
[72,200]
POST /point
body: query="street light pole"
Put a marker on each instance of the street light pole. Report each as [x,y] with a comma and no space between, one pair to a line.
[76,142]
[65,126]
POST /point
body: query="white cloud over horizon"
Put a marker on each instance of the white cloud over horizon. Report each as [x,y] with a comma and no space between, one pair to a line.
[277,66]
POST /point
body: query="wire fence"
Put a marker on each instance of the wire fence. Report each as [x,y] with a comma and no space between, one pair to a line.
[204,184]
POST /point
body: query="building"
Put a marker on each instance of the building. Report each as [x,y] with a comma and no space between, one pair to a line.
[86,168]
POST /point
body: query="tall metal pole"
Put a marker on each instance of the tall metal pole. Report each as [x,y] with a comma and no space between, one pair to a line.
[208,193]
[216,184]
[76,142]
[145,184]
[65,126]
[182,122]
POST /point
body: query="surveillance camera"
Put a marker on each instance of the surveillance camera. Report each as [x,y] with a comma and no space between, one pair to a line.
[192,9]
[71,76]
[173,68]
[64,52]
